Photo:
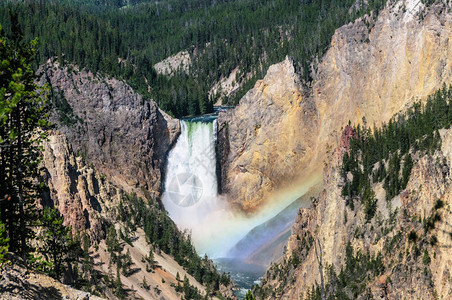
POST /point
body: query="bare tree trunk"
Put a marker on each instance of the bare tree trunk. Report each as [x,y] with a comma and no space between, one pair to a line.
[19,177]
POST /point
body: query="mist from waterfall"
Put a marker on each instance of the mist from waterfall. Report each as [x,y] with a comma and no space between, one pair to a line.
[191,196]
[191,192]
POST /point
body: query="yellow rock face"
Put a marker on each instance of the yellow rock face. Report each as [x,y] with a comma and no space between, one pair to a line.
[280,132]
[269,133]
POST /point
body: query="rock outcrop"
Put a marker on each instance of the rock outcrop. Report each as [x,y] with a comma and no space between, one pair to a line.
[225,87]
[414,256]
[180,61]
[82,195]
[18,282]
[123,135]
[263,139]
[280,131]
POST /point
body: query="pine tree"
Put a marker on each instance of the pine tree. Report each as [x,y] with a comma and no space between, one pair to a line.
[119,290]
[112,242]
[145,284]
[55,239]
[23,114]
[186,287]
[369,201]
[87,260]
[151,261]
[126,263]
[407,166]
[250,296]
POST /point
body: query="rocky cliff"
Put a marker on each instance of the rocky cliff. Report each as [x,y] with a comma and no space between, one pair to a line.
[375,67]
[19,282]
[180,61]
[123,135]
[265,139]
[83,196]
[403,253]
[91,203]
[105,156]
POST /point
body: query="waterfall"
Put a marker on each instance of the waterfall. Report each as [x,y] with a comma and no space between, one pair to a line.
[190,195]
[191,198]
[191,192]
[191,177]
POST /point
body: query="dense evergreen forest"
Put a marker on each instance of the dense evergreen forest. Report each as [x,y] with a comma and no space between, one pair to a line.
[125,39]
[386,154]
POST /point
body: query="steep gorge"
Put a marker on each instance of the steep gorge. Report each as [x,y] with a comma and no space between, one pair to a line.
[277,139]
[402,251]
[279,134]
[103,166]
[93,204]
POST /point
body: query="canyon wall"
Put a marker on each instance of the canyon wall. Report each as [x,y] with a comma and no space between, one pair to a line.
[123,135]
[265,139]
[280,131]
[108,145]
[415,262]
[85,197]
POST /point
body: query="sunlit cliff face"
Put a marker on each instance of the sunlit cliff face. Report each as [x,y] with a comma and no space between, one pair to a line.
[191,196]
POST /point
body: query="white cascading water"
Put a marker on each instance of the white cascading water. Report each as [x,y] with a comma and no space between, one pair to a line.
[191,192]
[192,201]
[190,195]
[191,179]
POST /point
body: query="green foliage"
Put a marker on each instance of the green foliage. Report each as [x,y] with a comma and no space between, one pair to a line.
[295,260]
[163,234]
[412,236]
[426,257]
[125,237]
[407,166]
[430,221]
[145,284]
[126,264]
[64,109]
[433,240]
[22,129]
[151,263]
[250,296]
[392,182]
[369,201]
[393,243]
[284,272]
[87,259]
[190,292]
[4,244]
[359,270]
[112,242]
[55,240]
[125,42]
[376,155]
[118,288]
[438,204]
